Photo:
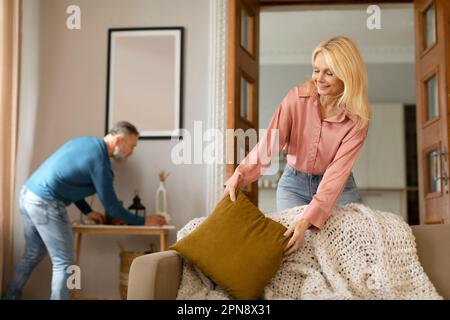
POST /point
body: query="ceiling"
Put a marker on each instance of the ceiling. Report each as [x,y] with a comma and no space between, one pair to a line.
[288,34]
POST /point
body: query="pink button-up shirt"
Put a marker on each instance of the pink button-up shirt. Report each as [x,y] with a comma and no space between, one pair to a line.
[327,147]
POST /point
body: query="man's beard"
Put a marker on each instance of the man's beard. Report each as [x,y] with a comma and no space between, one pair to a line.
[118,155]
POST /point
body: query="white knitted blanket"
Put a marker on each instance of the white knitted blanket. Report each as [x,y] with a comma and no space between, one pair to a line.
[359,254]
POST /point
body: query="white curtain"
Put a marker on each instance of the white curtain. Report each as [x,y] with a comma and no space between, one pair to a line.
[9,79]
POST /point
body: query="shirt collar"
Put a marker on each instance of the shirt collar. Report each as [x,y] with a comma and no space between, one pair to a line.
[304,92]
[340,117]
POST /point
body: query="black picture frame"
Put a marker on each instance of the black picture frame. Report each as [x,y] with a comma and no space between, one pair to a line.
[145,80]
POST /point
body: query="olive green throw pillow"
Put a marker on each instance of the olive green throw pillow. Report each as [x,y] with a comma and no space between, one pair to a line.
[237,247]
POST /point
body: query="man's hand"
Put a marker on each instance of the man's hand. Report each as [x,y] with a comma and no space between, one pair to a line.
[155,220]
[97,217]
[298,237]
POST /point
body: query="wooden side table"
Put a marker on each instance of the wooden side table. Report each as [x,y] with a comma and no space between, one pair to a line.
[80,229]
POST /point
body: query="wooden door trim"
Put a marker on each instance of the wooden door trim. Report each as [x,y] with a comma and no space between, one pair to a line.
[242,64]
[433,133]
[431,195]
[424,94]
[420,24]
[251,13]
[272,3]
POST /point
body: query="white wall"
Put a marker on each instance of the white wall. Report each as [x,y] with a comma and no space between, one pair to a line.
[63,95]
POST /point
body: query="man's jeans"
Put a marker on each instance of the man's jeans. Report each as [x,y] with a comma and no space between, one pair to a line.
[47,229]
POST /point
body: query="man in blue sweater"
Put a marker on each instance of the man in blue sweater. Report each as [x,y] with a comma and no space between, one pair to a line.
[80,168]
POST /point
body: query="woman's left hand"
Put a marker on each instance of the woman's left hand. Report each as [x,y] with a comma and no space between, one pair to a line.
[298,237]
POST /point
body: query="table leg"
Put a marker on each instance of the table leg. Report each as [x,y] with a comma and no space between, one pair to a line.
[163,240]
[78,249]
[77,259]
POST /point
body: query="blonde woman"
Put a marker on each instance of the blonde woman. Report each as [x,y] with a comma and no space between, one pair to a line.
[322,125]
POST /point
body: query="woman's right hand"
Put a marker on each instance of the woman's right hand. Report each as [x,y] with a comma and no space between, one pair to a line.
[229,190]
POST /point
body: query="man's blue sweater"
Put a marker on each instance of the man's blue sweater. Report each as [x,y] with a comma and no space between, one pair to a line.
[80,168]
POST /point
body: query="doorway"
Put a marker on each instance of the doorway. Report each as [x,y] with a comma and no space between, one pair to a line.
[386,170]
[432,57]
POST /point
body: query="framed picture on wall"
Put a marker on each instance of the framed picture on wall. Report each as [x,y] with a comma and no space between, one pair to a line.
[145,80]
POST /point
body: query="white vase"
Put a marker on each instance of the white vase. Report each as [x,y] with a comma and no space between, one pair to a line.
[161,202]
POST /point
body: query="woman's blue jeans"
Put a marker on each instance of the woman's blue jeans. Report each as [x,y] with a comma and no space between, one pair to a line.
[296,188]
[47,229]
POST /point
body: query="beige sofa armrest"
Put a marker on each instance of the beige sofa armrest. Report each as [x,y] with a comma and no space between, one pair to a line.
[155,276]
[433,249]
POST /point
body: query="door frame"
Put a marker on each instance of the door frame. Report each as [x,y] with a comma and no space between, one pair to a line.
[217,172]
[217,115]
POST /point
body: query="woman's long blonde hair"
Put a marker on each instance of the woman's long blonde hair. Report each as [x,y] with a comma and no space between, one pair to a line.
[344,60]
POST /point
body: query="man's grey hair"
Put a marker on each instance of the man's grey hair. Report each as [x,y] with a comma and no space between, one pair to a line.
[123,127]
